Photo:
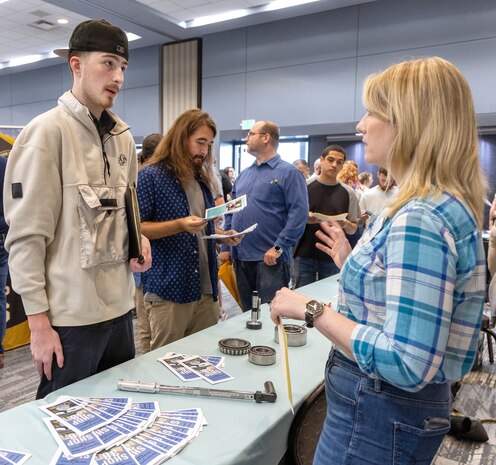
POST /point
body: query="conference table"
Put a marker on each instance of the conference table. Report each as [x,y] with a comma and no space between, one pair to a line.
[239,432]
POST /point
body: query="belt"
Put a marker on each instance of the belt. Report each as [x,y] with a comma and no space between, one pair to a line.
[433,391]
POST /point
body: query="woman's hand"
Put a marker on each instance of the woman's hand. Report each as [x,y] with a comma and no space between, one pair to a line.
[336,244]
[288,304]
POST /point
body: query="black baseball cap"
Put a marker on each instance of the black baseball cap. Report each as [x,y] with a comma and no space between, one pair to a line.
[97,35]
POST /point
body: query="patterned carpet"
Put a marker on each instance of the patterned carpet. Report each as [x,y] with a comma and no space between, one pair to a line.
[477,400]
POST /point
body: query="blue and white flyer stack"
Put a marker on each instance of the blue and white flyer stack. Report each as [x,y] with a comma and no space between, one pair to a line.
[117,431]
[196,367]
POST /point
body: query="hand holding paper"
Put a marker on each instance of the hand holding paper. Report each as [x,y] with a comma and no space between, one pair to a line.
[224,236]
[326,218]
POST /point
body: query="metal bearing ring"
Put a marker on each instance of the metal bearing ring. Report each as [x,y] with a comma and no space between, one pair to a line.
[262,355]
[296,335]
[234,346]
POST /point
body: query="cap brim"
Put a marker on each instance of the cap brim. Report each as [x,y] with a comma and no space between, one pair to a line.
[62,52]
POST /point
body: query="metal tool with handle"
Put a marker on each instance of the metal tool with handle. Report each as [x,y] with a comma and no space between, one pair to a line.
[269,395]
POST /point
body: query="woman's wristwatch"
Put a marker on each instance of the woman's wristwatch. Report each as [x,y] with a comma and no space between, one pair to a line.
[314,309]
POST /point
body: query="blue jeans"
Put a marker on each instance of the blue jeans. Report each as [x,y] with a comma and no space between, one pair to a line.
[371,422]
[257,276]
[4,269]
[88,350]
[309,270]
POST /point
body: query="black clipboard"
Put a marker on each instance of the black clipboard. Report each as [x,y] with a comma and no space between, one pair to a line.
[133,223]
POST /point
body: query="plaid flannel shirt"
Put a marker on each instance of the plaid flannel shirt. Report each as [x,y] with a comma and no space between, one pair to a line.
[415,283]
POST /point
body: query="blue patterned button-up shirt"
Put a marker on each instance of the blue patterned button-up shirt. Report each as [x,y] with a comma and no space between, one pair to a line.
[175,272]
[415,283]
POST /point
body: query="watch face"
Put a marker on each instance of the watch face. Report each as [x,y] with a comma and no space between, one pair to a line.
[314,308]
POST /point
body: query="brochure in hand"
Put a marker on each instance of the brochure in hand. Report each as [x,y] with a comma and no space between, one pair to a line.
[232,206]
[325,218]
[223,236]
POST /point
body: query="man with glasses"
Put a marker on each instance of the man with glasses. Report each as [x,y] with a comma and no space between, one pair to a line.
[328,196]
[278,202]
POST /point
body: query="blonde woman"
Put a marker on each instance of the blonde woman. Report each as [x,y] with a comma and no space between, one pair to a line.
[412,291]
[349,175]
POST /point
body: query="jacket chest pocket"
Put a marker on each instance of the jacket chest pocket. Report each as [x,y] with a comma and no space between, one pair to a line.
[103,229]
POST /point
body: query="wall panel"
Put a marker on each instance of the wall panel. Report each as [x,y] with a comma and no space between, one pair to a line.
[224,53]
[228,110]
[141,111]
[318,38]
[23,114]
[288,97]
[43,84]
[391,25]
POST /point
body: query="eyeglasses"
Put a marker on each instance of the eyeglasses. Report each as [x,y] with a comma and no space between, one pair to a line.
[255,133]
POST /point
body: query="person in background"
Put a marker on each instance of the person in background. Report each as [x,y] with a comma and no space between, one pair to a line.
[150,143]
[64,198]
[217,187]
[366,180]
[316,171]
[148,146]
[349,176]
[376,199]
[4,266]
[226,186]
[230,173]
[412,293]
[277,201]
[302,165]
[174,190]
[328,196]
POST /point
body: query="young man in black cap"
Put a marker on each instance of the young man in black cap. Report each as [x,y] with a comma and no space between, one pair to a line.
[64,201]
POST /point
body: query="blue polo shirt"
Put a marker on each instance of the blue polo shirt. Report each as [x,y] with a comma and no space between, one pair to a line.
[277,200]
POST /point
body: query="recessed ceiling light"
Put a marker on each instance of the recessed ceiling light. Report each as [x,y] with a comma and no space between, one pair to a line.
[25,60]
[131,36]
[62,21]
[235,14]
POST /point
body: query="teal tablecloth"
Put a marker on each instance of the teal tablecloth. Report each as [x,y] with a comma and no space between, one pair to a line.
[238,432]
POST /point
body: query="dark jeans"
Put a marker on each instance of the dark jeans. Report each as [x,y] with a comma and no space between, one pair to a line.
[372,422]
[257,276]
[90,349]
[309,270]
[4,269]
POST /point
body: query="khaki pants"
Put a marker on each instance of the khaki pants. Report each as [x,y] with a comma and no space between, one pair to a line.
[170,321]
[144,335]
